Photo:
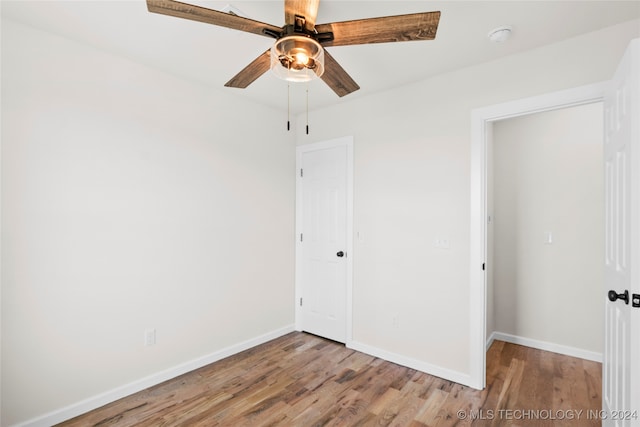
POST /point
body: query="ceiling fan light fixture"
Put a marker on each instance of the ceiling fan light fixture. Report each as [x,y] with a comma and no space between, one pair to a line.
[297,58]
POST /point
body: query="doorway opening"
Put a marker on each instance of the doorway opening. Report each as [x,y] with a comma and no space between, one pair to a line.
[481,121]
[545,239]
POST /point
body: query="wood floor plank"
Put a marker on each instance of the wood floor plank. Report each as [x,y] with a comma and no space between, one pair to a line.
[390,395]
[304,380]
[431,408]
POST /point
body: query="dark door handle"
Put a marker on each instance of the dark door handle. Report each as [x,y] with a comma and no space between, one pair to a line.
[340,254]
[613,295]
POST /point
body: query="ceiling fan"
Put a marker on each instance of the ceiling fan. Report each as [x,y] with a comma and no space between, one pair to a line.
[299,51]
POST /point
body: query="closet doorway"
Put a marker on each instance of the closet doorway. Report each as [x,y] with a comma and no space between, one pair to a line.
[545,239]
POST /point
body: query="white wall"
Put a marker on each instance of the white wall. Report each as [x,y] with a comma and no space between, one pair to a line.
[131,200]
[549,178]
[411,185]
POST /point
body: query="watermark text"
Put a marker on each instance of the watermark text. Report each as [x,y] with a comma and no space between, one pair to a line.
[545,414]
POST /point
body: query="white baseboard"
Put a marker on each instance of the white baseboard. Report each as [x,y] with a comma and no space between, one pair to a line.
[94,402]
[438,371]
[547,346]
[490,340]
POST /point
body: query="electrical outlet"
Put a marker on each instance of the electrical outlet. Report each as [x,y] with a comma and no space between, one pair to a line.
[149,337]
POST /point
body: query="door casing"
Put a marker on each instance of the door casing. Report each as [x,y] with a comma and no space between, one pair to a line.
[346,142]
[481,120]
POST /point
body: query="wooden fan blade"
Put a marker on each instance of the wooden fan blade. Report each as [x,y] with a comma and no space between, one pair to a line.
[305,8]
[251,72]
[336,77]
[209,16]
[415,26]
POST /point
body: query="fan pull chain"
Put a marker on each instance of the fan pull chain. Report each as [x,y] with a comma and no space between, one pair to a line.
[288,108]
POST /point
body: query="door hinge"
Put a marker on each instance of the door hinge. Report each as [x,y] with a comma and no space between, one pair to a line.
[301,238]
[483,266]
[300,302]
[301,173]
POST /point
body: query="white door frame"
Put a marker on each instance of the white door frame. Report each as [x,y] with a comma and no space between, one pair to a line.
[481,121]
[300,150]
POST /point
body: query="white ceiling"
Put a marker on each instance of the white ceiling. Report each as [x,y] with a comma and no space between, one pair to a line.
[212,55]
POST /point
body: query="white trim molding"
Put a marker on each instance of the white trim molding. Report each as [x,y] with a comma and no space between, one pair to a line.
[546,346]
[95,402]
[481,120]
[447,374]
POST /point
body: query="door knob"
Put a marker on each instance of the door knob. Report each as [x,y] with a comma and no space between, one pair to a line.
[613,295]
[340,254]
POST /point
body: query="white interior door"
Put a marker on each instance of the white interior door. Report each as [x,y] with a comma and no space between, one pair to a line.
[621,359]
[323,238]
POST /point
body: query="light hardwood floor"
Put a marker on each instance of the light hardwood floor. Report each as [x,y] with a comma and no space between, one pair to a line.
[304,380]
